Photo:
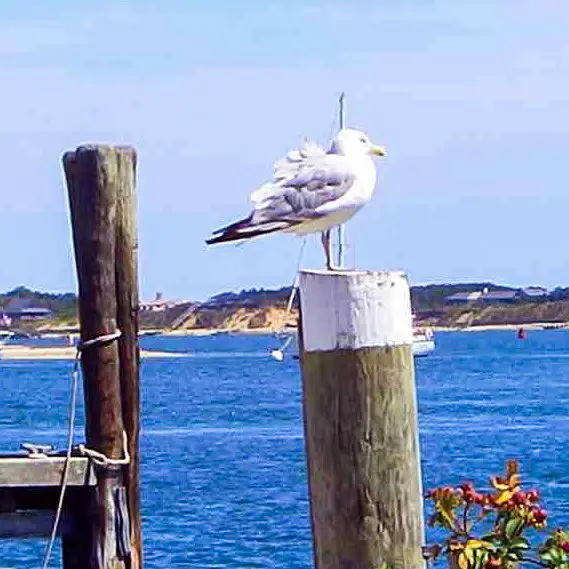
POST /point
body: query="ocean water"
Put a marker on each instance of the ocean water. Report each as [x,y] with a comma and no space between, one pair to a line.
[223,473]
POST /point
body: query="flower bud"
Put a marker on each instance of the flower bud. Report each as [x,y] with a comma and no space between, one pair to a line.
[480,499]
[532,496]
[492,563]
[518,498]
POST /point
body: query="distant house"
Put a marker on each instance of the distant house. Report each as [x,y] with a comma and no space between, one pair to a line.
[535,292]
[500,296]
[159,304]
[463,297]
[484,296]
[19,309]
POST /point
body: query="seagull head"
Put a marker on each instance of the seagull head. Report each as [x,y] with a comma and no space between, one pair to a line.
[350,142]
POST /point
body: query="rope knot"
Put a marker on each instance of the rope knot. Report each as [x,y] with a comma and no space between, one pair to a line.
[104,461]
[103,339]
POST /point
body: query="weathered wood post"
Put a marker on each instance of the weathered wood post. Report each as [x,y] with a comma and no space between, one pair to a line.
[361,420]
[127,320]
[96,176]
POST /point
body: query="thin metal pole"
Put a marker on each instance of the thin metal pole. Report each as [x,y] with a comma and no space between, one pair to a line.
[340,227]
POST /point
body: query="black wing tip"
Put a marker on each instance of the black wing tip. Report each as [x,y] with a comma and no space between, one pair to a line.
[217,239]
[227,233]
[241,231]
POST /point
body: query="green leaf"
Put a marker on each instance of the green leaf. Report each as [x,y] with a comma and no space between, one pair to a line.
[547,557]
[491,537]
[519,543]
[553,555]
[480,558]
[469,553]
[513,525]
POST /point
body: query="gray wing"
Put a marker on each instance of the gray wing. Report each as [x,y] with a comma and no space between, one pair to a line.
[303,181]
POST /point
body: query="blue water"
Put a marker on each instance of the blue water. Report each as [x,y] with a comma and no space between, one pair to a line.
[223,476]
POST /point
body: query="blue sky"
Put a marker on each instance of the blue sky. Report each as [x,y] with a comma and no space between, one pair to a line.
[469,98]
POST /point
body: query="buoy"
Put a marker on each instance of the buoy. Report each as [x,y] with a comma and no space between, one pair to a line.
[277,355]
[522,334]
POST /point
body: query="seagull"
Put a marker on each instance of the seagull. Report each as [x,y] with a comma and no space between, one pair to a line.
[312,191]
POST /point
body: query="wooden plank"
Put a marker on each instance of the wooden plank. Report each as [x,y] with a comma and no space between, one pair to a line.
[77,544]
[18,472]
[361,420]
[93,178]
[13,498]
[32,524]
[25,502]
[126,262]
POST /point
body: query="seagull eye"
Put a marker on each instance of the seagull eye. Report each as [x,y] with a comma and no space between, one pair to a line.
[364,140]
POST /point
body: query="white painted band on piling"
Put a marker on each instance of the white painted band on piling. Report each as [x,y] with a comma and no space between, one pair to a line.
[355,309]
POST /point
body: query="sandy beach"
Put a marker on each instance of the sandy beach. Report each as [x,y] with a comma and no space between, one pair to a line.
[292,330]
[20,352]
[486,327]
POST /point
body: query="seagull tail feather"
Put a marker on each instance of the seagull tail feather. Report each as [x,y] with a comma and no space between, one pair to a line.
[245,229]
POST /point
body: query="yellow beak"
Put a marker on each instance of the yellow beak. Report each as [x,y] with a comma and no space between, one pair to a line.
[378,150]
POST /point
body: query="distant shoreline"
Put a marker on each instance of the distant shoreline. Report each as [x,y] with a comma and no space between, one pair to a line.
[490,327]
[459,307]
[199,332]
[25,352]
[271,331]
[22,352]
[54,333]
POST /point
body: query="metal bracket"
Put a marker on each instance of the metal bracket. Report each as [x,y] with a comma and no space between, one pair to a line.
[36,451]
[122,523]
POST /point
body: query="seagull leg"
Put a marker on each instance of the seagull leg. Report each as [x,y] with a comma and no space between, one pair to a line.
[325,236]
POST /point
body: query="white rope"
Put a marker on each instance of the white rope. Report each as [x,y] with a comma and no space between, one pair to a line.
[98,457]
[295,284]
[105,338]
[72,406]
[292,294]
[101,460]
[278,354]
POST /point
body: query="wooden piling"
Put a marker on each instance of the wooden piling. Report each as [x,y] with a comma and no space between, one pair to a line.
[95,176]
[361,420]
[129,352]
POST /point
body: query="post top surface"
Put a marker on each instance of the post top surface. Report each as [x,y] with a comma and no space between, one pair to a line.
[99,147]
[355,309]
[355,272]
[93,146]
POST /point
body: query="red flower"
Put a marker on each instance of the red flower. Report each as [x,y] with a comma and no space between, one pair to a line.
[539,515]
[533,496]
[491,499]
[518,498]
[480,499]
[565,546]
[468,492]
